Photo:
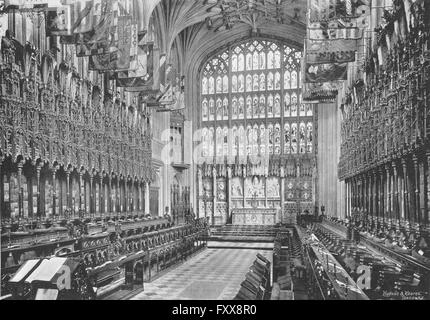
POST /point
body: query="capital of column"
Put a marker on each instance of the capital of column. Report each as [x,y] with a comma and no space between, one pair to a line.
[403,162]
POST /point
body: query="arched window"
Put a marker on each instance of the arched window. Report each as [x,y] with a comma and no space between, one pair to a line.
[255,80]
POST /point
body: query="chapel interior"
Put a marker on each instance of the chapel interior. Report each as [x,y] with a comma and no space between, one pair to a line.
[215,149]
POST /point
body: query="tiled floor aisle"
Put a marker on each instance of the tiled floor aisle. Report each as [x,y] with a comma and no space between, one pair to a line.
[215,274]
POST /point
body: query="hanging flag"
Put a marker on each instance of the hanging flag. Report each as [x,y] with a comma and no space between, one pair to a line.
[335,30]
[141,65]
[333,51]
[325,72]
[59,21]
[83,19]
[146,77]
[325,10]
[330,57]
[104,37]
[121,57]
[331,46]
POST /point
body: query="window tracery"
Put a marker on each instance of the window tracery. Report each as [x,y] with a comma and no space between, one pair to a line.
[259,81]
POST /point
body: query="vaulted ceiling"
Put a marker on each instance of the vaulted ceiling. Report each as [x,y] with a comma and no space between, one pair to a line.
[198,27]
[190,31]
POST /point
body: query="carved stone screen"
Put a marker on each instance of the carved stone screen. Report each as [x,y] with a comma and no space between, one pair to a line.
[257,137]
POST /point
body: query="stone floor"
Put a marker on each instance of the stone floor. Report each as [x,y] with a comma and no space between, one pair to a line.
[214,274]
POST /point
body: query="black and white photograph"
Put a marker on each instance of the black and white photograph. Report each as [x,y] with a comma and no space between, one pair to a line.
[221,156]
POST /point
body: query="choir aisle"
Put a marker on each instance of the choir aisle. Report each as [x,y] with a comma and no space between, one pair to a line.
[214,274]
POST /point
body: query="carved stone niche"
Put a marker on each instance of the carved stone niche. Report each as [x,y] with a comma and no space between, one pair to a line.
[62,106]
[46,99]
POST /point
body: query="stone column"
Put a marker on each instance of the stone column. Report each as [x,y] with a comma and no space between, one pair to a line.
[405,190]
[371,208]
[244,186]
[102,208]
[110,208]
[54,190]
[228,193]
[39,205]
[427,183]
[396,215]
[20,193]
[355,192]
[214,176]
[375,194]
[147,198]
[282,190]
[68,188]
[417,189]
[81,191]
[388,193]
[92,211]
[118,196]
[2,215]
[351,197]
[143,196]
[199,192]
[139,197]
[381,195]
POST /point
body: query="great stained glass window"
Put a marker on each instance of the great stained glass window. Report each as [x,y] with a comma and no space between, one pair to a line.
[251,102]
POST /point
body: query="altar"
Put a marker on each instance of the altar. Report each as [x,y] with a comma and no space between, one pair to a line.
[254,216]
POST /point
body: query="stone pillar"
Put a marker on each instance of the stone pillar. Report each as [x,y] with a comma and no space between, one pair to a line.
[351,197]
[417,210]
[102,208]
[126,199]
[346,197]
[370,179]
[139,197]
[68,188]
[228,193]
[146,197]
[81,191]
[118,196]
[2,215]
[375,194]
[396,214]
[282,190]
[355,192]
[381,195]
[110,208]
[244,186]
[366,193]
[54,191]
[427,184]
[405,190]
[388,193]
[362,195]
[133,196]
[91,195]
[199,192]
[39,205]
[20,191]
[214,176]
[143,195]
